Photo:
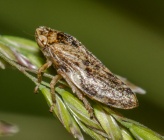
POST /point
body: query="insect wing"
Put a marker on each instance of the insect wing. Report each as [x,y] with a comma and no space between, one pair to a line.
[87,73]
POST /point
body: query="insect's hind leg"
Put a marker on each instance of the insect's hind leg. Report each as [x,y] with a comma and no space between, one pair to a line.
[53,82]
[86,103]
[79,94]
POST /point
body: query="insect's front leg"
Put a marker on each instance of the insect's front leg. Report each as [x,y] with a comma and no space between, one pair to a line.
[39,74]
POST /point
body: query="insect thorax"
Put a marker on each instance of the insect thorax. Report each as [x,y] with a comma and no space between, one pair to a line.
[68,39]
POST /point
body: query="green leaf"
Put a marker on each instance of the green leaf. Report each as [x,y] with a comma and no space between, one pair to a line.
[63,114]
[90,132]
[108,123]
[138,131]
[77,108]
[126,135]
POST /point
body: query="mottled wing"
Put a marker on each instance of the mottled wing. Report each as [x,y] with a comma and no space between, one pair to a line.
[87,73]
[133,87]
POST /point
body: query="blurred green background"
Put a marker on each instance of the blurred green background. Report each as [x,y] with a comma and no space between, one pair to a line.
[127,36]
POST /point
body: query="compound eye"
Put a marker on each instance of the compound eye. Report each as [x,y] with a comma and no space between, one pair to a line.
[43,39]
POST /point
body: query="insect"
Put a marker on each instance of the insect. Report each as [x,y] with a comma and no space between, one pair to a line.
[85,74]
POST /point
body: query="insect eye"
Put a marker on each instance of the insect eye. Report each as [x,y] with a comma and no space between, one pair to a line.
[43,39]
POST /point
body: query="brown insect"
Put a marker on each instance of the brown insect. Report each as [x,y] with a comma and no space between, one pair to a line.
[84,73]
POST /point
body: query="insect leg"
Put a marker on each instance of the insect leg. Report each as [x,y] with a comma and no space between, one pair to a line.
[40,71]
[85,101]
[53,82]
[79,94]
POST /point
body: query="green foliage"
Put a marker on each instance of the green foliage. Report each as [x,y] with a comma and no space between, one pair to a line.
[25,56]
